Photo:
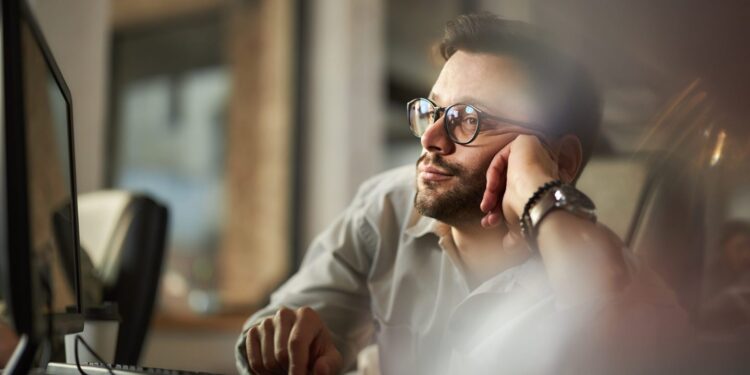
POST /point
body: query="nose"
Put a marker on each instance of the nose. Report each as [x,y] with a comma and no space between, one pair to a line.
[436,140]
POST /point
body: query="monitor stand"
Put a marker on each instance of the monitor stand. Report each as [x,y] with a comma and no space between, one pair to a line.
[22,360]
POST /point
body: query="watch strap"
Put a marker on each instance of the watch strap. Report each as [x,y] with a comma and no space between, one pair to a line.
[526,222]
[551,196]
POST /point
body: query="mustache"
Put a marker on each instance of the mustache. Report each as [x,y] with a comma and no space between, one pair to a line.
[438,161]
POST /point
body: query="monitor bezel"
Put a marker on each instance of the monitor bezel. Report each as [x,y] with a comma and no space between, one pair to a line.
[20,288]
[28,16]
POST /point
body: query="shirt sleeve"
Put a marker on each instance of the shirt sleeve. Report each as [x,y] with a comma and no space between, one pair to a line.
[642,330]
[333,281]
[514,324]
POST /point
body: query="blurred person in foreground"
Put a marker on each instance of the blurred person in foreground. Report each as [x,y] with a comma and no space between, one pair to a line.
[728,309]
[485,259]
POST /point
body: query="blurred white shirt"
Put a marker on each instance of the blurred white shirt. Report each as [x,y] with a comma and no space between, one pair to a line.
[383,274]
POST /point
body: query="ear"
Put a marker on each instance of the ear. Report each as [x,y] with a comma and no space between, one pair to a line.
[569,157]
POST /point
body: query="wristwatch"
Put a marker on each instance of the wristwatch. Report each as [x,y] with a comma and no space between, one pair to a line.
[557,196]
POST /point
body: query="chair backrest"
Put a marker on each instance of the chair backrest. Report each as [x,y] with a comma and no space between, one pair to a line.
[658,208]
[125,236]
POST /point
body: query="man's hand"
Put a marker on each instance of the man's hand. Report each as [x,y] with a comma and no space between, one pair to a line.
[293,341]
[521,168]
[579,270]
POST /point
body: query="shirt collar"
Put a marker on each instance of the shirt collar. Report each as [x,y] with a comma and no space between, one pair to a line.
[529,274]
[420,226]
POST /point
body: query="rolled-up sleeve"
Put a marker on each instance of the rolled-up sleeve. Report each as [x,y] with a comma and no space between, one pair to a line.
[333,281]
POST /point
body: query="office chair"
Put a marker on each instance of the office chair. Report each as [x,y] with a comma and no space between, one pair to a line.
[658,207]
[125,235]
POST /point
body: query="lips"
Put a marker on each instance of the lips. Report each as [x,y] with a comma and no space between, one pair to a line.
[432,173]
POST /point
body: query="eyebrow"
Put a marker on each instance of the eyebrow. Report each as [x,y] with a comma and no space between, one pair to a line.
[463,100]
[475,102]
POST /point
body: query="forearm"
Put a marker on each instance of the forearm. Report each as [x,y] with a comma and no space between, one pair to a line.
[584,260]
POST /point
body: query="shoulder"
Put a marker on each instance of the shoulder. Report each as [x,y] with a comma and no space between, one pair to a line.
[386,201]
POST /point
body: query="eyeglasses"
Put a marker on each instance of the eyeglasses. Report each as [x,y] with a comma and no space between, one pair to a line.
[462,122]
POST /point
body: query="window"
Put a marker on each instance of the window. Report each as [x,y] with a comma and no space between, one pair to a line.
[171,89]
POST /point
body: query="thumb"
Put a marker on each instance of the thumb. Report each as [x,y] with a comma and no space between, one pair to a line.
[329,363]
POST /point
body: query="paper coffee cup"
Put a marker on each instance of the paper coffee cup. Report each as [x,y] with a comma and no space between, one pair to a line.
[100,330]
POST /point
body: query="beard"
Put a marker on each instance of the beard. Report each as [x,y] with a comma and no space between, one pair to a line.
[455,203]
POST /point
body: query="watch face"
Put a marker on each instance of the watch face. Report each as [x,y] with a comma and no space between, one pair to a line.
[563,197]
[570,196]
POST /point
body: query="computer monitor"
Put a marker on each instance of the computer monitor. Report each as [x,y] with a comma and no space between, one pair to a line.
[40,245]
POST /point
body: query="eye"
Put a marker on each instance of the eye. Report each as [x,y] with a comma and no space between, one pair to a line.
[471,121]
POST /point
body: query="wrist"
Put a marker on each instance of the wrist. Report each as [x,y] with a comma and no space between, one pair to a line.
[529,187]
[551,196]
[527,219]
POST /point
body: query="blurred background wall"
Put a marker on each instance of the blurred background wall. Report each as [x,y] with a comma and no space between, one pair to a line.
[79,35]
[256,120]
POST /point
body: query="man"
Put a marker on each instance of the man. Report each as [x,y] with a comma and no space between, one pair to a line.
[435,268]
[728,308]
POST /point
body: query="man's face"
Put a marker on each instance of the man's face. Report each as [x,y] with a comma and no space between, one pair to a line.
[451,178]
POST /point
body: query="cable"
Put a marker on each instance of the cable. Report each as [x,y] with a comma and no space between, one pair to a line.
[78,361]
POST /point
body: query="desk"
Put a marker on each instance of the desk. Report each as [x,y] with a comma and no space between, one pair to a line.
[193,342]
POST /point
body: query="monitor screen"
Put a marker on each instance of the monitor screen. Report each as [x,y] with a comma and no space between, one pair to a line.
[50,183]
[3,208]
[39,256]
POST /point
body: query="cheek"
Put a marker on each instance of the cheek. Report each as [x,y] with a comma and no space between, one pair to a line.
[481,159]
[477,156]
[474,170]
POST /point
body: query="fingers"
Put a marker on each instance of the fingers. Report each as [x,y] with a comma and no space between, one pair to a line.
[266,330]
[495,179]
[283,321]
[306,329]
[267,343]
[292,342]
[254,356]
[492,219]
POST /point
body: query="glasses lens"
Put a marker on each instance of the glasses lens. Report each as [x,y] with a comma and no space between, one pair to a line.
[421,113]
[462,122]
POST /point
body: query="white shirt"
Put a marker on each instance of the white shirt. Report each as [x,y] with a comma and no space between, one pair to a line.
[383,273]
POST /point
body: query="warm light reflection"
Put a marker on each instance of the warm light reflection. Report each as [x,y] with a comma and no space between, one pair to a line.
[719,148]
[682,118]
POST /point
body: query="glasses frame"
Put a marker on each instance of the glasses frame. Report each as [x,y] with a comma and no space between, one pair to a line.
[441,111]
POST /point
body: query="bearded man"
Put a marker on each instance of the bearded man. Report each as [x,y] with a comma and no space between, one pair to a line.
[484,258]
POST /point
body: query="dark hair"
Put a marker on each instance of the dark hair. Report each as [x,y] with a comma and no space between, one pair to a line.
[566,93]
